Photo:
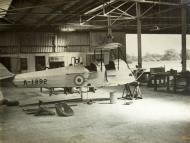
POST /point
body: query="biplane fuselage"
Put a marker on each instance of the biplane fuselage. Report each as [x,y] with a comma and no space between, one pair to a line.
[77,76]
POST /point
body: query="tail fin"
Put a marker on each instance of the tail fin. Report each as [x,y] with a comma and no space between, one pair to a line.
[4,73]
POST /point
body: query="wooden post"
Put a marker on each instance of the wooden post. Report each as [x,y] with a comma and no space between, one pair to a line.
[168,82]
[101,59]
[138,13]
[81,94]
[155,82]
[183,36]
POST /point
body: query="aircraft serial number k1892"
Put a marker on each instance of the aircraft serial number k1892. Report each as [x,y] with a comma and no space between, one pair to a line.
[35,82]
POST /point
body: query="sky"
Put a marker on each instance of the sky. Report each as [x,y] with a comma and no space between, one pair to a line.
[155,43]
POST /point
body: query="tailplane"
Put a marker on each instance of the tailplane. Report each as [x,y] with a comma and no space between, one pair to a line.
[4,73]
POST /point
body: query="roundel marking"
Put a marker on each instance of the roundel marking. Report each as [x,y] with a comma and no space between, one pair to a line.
[79,80]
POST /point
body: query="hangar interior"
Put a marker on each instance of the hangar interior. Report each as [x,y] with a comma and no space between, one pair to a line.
[38,36]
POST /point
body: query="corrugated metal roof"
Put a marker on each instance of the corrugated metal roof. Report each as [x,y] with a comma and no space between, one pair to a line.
[4,6]
[45,15]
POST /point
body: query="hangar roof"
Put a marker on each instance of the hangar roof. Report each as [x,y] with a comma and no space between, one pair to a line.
[157,16]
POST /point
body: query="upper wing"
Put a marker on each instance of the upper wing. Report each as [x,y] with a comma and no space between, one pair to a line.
[109,46]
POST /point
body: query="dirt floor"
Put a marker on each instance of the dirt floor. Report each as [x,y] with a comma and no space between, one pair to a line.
[159,117]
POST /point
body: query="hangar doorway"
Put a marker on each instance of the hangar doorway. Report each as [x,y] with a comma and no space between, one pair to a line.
[56,62]
[40,63]
[6,61]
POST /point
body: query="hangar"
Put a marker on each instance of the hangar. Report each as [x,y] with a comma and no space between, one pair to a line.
[71,58]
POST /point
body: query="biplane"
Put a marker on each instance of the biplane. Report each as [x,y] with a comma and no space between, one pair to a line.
[100,73]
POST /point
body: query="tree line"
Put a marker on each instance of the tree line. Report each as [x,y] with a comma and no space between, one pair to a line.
[168,55]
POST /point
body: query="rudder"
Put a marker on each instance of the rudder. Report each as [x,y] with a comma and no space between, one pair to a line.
[4,73]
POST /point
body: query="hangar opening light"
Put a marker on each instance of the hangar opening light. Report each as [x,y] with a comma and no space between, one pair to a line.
[67,28]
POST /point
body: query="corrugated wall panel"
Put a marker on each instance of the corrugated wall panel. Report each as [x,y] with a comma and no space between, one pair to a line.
[39,42]
[37,39]
[31,49]
[60,49]
[9,50]
[61,39]
[73,39]
[77,39]
[9,39]
[98,38]
[77,49]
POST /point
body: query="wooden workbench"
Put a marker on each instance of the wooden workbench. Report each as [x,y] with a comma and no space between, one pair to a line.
[180,81]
